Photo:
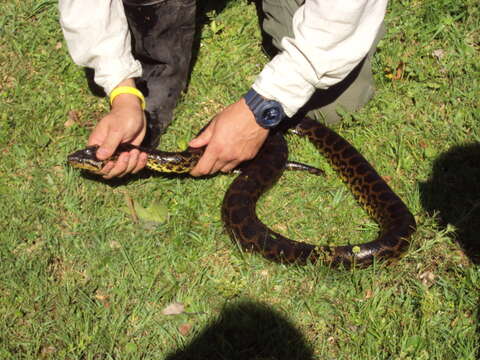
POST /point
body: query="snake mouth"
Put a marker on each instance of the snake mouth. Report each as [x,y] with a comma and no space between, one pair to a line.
[86,159]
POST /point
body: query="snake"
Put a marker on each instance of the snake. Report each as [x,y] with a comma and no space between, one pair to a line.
[256,176]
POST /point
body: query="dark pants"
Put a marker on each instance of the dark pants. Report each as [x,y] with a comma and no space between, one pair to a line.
[162,38]
[162,35]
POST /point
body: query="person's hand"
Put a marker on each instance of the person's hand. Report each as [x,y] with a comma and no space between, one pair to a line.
[232,137]
[124,124]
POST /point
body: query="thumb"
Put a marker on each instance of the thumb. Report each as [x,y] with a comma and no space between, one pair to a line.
[108,147]
[204,138]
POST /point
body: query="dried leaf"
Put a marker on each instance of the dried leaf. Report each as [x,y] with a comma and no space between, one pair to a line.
[47,351]
[428,278]
[114,245]
[439,53]
[72,118]
[103,298]
[131,208]
[174,308]
[368,294]
[184,329]
[399,71]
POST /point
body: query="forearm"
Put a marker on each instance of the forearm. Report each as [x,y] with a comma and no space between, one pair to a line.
[97,36]
[330,39]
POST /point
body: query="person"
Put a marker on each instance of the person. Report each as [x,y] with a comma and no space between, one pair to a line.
[140,51]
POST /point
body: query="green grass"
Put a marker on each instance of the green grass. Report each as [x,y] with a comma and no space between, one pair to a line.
[81,280]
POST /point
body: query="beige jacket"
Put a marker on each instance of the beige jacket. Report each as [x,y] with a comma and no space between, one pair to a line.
[330,38]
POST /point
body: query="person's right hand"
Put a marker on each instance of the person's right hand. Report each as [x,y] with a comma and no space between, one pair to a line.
[124,124]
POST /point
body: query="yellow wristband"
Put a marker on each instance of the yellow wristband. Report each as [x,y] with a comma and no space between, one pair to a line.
[127,90]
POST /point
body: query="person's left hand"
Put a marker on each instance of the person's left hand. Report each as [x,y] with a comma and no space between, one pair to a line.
[233,136]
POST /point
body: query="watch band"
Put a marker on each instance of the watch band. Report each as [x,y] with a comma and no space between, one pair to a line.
[253,99]
[268,113]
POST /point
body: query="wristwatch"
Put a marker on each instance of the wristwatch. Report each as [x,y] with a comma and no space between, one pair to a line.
[268,113]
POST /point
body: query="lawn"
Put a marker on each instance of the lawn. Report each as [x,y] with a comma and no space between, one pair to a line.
[141,268]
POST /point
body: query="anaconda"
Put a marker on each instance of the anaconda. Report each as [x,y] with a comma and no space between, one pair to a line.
[395,220]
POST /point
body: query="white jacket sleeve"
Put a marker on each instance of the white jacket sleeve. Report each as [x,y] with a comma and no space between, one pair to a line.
[98,37]
[330,39]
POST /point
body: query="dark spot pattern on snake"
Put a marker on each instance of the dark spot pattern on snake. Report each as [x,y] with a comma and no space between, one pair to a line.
[396,222]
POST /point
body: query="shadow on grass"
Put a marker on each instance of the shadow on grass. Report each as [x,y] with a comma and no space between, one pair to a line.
[453,194]
[247,330]
[143,174]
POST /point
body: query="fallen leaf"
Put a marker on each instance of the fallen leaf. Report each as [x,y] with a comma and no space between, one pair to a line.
[58,45]
[72,118]
[47,351]
[58,170]
[368,294]
[184,329]
[131,208]
[114,245]
[399,71]
[427,278]
[439,53]
[174,308]
[155,212]
[103,298]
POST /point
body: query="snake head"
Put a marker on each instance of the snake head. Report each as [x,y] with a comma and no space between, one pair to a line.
[86,159]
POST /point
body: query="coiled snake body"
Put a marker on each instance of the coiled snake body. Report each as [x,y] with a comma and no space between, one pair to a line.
[238,210]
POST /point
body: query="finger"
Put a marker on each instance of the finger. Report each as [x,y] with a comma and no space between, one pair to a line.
[107,168]
[120,166]
[108,147]
[132,161]
[142,162]
[229,166]
[218,166]
[96,137]
[205,164]
[204,138]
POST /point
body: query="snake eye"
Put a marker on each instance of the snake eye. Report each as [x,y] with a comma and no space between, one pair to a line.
[89,151]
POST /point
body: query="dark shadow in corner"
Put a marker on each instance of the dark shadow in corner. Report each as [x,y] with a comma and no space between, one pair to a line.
[453,194]
[247,330]
[203,8]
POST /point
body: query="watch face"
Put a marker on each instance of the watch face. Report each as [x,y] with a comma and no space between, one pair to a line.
[271,114]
